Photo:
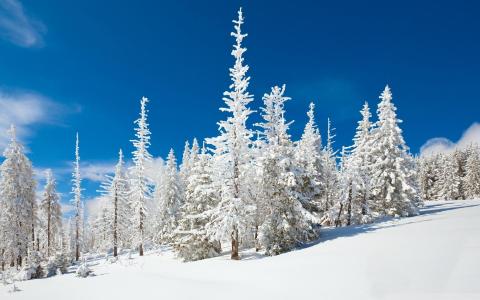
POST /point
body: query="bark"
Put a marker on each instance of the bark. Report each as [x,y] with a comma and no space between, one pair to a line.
[140,247]
[48,229]
[338,221]
[257,244]
[349,208]
[235,255]
[115,237]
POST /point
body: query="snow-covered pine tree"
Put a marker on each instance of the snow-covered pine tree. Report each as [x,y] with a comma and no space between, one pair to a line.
[330,190]
[115,190]
[438,161]
[360,164]
[460,170]
[185,166]
[17,203]
[170,201]
[308,154]
[472,176]
[77,200]
[393,177]
[287,223]
[51,215]
[450,182]
[427,177]
[232,152]
[194,152]
[140,189]
[191,239]
[353,206]
[342,211]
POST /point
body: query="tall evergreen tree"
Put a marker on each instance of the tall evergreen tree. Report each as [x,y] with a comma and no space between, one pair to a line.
[77,200]
[330,191]
[472,176]
[17,203]
[51,214]
[308,155]
[116,212]
[140,189]
[170,201]
[192,241]
[362,161]
[450,182]
[393,177]
[231,151]
[287,223]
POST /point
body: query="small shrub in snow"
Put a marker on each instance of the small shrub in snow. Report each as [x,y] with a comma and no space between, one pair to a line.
[84,271]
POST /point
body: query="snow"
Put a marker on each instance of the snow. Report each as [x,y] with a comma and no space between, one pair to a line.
[431,256]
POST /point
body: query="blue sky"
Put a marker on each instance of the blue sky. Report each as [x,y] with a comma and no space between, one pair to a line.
[68,66]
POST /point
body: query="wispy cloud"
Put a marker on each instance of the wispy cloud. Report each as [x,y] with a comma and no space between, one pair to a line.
[444,145]
[96,171]
[25,109]
[19,28]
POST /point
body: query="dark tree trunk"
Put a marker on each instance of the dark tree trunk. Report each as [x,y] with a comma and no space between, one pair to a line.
[364,203]
[235,255]
[77,246]
[338,222]
[140,247]
[349,208]
[257,244]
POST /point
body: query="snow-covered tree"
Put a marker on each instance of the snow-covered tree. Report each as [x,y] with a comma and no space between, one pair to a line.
[170,201]
[356,169]
[232,152]
[460,159]
[77,200]
[393,177]
[360,165]
[308,155]
[51,215]
[286,223]
[330,190]
[428,177]
[17,204]
[450,182]
[472,176]
[116,212]
[192,241]
[185,166]
[140,189]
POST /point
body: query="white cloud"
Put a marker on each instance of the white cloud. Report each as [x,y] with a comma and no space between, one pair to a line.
[94,205]
[25,109]
[19,28]
[96,171]
[444,145]
[67,208]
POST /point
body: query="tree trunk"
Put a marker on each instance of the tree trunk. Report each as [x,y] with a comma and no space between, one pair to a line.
[338,221]
[349,208]
[3,260]
[257,244]
[115,237]
[140,247]
[48,229]
[364,203]
[77,248]
[235,255]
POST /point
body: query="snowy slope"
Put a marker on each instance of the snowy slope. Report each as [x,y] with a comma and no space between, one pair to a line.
[432,256]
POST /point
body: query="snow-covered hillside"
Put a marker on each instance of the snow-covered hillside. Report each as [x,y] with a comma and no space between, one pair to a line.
[433,256]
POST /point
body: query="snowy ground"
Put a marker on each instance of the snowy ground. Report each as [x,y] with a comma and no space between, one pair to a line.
[432,256]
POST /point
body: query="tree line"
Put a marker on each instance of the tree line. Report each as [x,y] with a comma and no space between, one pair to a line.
[248,187]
